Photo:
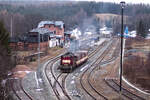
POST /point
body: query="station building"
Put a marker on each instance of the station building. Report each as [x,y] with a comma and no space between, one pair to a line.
[51,35]
[54,26]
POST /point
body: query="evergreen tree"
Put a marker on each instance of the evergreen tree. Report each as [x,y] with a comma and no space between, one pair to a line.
[4,38]
[5,60]
[141,29]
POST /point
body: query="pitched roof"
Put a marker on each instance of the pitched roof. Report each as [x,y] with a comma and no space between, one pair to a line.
[42,23]
[41,30]
[56,23]
[59,23]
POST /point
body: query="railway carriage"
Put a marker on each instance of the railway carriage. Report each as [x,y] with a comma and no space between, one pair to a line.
[70,61]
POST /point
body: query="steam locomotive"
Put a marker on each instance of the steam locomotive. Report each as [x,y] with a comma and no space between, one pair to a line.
[70,61]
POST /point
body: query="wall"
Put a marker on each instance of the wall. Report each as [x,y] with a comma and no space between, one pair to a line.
[20,46]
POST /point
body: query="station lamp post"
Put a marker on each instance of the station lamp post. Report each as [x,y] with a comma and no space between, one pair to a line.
[122,3]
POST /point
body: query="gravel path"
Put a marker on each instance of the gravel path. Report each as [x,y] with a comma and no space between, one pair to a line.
[41,93]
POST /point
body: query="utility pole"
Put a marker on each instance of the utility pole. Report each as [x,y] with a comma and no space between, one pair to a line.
[36,72]
[122,35]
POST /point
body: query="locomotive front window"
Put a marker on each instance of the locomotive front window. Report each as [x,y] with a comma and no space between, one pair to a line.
[66,61]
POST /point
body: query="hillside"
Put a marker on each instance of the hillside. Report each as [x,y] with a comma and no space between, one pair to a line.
[136,64]
[108,17]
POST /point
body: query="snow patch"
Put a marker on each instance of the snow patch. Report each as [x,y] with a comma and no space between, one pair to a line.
[72,82]
[134,86]
[84,67]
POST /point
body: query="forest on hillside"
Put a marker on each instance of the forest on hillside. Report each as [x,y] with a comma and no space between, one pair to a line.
[26,16]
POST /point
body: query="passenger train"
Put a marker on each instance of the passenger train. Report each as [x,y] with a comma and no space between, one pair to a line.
[70,61]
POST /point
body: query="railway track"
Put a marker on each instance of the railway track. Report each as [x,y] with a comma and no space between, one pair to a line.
[114,85]
[57,86]
[114,55]
[23,95]
[101,62]
[18,90]
[84,79]
[58,82]
[54,82]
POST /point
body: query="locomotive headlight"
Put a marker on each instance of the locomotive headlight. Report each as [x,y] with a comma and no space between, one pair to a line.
[66,61]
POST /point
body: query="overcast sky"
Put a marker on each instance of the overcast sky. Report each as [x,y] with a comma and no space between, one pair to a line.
[118,1]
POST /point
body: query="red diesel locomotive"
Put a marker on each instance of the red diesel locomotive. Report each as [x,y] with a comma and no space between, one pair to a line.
[69,60]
